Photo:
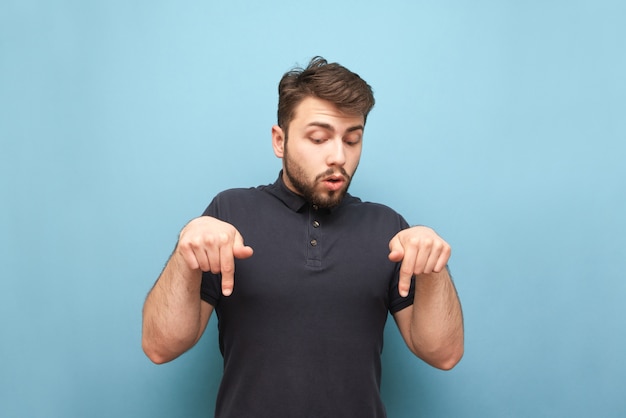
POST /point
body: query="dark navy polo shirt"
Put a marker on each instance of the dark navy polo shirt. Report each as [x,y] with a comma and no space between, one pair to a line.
[302,332]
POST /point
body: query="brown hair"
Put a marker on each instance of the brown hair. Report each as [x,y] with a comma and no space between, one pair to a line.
[332,82]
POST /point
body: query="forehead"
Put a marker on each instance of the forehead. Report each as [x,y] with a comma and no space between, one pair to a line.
[314,109]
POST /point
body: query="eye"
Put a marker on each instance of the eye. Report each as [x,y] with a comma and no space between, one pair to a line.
[352,141]
[317,140]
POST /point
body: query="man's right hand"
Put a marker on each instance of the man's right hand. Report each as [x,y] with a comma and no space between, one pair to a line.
[209,244]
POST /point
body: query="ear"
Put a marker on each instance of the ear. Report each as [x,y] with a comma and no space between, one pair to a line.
[278,141]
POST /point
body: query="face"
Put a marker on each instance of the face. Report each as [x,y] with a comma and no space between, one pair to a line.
[320,152]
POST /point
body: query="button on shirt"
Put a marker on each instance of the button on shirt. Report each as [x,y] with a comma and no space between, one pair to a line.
[302,333]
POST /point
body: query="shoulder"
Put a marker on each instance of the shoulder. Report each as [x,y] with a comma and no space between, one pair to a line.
[353,203]
[238,193]
[235,200]
[372,212]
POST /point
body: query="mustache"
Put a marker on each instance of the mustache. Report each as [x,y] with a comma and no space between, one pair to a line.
[332,171]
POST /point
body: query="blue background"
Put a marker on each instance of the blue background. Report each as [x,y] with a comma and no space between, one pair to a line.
[502,124]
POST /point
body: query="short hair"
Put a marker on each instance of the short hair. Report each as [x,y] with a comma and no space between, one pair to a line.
[331,82]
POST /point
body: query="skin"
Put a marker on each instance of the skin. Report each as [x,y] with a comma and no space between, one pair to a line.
[320,155]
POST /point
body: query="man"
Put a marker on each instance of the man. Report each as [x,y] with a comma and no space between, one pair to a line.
[302,275]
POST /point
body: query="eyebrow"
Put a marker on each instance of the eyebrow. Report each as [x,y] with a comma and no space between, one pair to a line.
[332,128]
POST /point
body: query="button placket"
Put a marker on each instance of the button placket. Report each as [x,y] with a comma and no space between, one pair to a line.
[314,237]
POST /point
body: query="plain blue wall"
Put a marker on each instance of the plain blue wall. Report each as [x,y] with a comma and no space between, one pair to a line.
[502,124]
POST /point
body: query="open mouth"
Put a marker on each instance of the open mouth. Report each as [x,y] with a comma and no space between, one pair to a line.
[334,182]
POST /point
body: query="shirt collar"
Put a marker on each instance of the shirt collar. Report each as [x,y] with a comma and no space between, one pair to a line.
[290,199]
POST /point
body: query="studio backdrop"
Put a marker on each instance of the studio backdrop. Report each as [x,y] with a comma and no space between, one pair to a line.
[501,124]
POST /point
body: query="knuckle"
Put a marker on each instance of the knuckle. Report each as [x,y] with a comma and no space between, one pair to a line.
[222,238]
[187,245]
[208,240]
[227,280]
[228,268]
[414,241]
[197,244]
[406,271]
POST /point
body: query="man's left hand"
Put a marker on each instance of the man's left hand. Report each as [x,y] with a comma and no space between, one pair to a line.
[421,251]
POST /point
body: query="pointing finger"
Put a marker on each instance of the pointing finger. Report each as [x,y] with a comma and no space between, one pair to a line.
[406,272]
[227,267]
[227,262]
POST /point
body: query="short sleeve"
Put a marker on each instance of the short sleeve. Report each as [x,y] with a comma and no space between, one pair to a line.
[397,302]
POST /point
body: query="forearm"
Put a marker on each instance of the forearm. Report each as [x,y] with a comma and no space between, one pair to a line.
[172,312]
[437,320]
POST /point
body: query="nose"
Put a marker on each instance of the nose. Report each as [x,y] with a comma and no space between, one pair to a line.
[337,153]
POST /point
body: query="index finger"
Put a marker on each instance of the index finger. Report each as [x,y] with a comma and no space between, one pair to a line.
[407,269]
[227,264]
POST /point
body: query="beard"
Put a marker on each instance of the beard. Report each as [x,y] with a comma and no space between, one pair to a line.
[324,199]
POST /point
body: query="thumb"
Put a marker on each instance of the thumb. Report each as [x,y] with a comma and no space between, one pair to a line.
[396,250]
[240,250]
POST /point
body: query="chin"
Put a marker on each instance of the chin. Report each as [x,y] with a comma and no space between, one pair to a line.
[329,200]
